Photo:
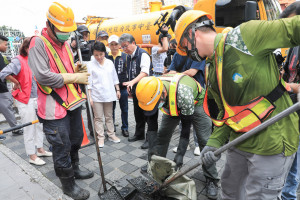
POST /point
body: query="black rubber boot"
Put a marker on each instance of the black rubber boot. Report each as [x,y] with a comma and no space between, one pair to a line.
[79,174]
[69,187]
[151,137]
[181,149]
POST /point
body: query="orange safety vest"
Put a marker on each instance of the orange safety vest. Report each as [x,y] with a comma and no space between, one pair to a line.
[246,117]
[174,82]
[75,98]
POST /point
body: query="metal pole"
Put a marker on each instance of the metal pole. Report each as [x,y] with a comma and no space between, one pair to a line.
[238,140]
[92,122]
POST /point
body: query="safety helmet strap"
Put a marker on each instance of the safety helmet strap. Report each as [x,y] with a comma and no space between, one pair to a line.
[193,52]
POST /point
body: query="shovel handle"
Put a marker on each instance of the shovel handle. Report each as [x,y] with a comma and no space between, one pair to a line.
[238,140]
[18,127]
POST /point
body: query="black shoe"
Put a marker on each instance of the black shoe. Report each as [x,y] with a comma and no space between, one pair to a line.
[145,145]
[211,189]
[17,132]
[125,133]
[135,138]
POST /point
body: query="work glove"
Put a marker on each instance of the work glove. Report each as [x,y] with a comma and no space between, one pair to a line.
[80,68]
[208,157]
[80,78]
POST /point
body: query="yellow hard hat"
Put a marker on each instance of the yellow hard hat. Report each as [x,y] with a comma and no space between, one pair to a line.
[182,24]
[148,92]
[61,17]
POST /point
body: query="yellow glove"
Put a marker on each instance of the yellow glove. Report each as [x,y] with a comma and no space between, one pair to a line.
[80,68]
[81,78]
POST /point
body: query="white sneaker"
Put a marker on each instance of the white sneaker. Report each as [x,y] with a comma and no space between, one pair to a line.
[45,154]
[175,149]
[37,161]
[197,151]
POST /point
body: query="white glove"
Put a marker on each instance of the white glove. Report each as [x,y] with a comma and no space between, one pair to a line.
[81,78]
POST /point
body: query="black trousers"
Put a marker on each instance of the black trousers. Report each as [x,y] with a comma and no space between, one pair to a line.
[141,119]
[65,135]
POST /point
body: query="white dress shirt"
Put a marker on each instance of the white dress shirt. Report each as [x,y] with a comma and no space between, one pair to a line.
[102,81]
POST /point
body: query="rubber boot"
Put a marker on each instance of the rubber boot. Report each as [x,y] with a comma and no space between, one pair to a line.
[151,136]
[69,187]
[146,143]
[182,146]
[79,174]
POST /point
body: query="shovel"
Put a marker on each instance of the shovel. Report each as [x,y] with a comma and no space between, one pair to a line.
[156,190]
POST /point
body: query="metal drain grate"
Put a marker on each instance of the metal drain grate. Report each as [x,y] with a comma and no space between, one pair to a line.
[143,185]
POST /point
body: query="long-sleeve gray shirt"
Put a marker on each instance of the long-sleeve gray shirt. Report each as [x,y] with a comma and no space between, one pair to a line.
[14,68]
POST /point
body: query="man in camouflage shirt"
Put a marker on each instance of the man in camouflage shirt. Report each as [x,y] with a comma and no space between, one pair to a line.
[188,98]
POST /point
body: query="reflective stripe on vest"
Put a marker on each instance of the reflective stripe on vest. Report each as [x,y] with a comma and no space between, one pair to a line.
[239,118]
[174,82]
[75,97]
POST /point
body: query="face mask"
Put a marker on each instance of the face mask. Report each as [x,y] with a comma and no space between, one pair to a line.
[62,37]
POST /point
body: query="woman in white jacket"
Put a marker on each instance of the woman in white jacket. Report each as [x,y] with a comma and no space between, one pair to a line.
[103,90]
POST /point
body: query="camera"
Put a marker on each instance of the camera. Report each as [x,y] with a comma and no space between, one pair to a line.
[85,47]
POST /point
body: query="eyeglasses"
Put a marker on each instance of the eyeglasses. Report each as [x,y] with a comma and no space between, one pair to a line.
[125,46]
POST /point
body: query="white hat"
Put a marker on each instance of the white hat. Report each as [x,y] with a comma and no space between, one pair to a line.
[113,38]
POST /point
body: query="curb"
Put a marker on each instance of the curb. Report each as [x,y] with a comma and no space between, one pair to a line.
[36,175]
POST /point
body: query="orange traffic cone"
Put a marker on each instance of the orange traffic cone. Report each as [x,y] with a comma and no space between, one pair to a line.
[85,141]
